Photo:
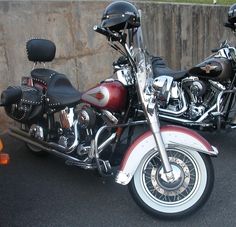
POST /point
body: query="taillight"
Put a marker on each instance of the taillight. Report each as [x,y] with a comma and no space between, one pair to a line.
[4,157]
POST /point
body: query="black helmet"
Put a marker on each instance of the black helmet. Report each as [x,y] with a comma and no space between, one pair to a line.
[119,15]
[232,14]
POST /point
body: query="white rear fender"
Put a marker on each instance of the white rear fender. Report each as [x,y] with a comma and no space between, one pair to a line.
[172,136]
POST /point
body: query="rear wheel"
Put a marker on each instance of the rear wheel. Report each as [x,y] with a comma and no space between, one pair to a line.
[194,178]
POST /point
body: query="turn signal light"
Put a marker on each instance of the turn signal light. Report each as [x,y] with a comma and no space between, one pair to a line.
[1,145]
[4,158]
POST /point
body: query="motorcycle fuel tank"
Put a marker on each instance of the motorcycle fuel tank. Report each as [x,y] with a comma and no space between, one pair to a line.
[213,68]
[109,95]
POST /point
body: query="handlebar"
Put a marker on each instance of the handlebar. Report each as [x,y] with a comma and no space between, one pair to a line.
[100,30]
[215,50]
[120,37]
[224,44]
[107,33]
[229,25]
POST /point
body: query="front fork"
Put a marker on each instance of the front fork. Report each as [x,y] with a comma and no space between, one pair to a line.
[155,128]
[148,99]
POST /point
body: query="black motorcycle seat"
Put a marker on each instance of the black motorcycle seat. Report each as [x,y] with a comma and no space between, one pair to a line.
[60,91]
[160,68]
[43,75]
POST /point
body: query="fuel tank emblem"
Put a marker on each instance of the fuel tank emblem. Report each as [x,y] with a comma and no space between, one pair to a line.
[98,96]
[207,68]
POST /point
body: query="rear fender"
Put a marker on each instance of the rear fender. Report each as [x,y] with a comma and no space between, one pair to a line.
[172,136]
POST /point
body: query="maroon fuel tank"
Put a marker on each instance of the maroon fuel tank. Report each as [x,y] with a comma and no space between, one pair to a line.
[213,68]
[109,95]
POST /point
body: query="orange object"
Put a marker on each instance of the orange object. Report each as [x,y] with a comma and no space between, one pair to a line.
[119,131]
[4,158]
[1,145]
[99,96]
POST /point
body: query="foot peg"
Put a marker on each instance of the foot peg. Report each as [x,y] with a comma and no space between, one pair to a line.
[105,167]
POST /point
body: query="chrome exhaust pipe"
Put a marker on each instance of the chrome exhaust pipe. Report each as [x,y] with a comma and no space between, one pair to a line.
[15,131]
[184,121]
[23,136]
[175,119]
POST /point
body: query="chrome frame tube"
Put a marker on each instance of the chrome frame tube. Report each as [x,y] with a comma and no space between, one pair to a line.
[106,142]
[98,149]
[175,119]
[205,115]
[220,97]
[76,142]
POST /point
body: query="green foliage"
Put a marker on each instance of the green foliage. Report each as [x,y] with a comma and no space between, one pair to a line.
[220,2]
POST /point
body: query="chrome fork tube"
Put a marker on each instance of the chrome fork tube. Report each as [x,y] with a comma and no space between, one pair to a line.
[155,127]
[150,111]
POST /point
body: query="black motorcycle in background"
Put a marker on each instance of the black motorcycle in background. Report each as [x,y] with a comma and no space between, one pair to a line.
[202,97]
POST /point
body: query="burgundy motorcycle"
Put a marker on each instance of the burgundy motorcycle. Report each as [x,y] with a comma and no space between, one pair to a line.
[168,169]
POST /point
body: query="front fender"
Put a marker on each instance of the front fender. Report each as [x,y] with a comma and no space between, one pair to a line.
[172,135]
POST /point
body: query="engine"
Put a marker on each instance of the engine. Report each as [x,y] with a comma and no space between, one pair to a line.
[189,99]
[201,95]
[198,88]
[90,121]
[86,116]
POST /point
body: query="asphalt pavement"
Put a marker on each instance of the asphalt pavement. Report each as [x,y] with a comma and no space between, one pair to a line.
[36,191]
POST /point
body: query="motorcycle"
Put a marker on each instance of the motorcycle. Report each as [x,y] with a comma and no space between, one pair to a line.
[202,97]
[168,169]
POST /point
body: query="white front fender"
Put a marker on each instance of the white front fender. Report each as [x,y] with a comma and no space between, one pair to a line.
[172,135]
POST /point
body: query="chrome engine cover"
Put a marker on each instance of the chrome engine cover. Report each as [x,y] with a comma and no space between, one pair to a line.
[86,117]
[36,131]
[163,86]
[198,88]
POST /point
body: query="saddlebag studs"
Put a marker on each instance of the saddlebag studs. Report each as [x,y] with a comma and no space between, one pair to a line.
[28,107]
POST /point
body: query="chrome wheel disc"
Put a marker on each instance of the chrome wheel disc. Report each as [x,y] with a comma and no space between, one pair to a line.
[193,180]
[160,189]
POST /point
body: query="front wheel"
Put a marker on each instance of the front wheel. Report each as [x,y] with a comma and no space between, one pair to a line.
[194,179]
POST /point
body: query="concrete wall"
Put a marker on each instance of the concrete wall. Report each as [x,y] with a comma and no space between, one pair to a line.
[182,34]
